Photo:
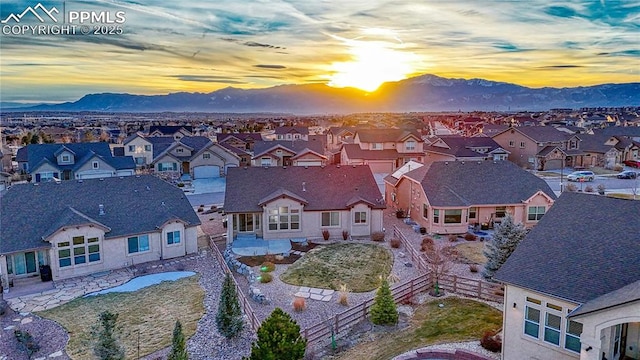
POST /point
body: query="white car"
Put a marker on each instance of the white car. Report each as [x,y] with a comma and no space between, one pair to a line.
[581,176]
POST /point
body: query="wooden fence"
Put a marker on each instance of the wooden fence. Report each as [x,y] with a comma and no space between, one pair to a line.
[473,288]
[242,299]
[355,314]
[416,258]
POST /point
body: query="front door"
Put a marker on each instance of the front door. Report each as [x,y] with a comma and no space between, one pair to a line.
[185,167]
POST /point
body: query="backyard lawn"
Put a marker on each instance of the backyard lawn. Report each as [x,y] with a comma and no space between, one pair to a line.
[359,266]
[147,316]
[458,320]
[471,252]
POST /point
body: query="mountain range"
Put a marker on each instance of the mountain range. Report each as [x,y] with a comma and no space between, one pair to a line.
[422,93]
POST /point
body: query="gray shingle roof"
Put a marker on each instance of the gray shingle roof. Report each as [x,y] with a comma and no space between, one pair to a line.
[543,133]
[36,154]
[385,135]
[292,129]
[354,152]
[132,205]
[260,147]
[584,247]
[624,295]
[467,183]
[326,188]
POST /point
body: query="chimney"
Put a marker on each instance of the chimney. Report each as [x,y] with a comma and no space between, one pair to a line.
[304,186]
[101,209]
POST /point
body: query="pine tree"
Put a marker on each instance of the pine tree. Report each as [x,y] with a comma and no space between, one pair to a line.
[278,339]
[178,346]
[229,317]
[383,310]
[504,241]
[107,346]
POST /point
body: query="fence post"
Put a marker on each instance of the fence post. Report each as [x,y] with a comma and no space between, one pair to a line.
[337,328]
[455,283]
[480,290]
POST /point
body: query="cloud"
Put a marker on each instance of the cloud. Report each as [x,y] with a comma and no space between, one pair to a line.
[207,78]
[257,44]
[265,66]
[552,67]
[561,11]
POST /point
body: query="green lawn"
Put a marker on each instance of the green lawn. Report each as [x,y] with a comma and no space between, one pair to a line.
[458,320]
[150,313]
[359,266]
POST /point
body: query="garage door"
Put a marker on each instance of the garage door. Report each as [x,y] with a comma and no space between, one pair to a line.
[309,163]
[95,175]
[226,168]
[208,171]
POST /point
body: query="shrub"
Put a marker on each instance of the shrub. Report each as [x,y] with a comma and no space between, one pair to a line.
[601,189]
[473,268]
[453,238]
[571,187]
[345,235]
[343,294]
[400,214]
[106,334]
[383,311]
[265,278]
[229,320]
[427,244]
[618,167]
[299,304]
[178,344]
[395,243]
[3,307]
[180,185]
[278,338]
[588,189]
[470,237]
[325,234]
[200,210]
[26,343]
[377,236]
[491,342]
[267,266]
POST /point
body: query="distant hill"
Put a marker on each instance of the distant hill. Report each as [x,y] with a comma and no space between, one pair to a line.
[422,93]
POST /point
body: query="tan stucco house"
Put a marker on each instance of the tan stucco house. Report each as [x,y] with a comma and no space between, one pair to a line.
[301,202]
[448,197]
[81,227]
[572,286]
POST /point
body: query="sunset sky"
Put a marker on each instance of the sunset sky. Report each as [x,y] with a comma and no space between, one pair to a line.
[202,46]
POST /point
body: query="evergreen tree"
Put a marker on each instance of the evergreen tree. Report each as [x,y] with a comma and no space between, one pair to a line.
[383,310]
[106,345]
[229,317]
[278,339]
[504,241]
[178,346]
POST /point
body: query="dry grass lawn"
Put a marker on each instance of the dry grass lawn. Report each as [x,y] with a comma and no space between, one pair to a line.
[471,252]
[623,196]
[150,312]
[458,320]
[359,266]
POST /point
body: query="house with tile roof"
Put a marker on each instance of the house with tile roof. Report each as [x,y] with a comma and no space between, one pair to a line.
[572,286]
[81,227]
[46,162]
[384,150]
[288,153]
[295,202]
[541,147]
[459,148]
[449,197]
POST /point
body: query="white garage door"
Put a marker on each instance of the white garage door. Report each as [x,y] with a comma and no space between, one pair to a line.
[309,163]
[95,175]
[226,167]
[208,171]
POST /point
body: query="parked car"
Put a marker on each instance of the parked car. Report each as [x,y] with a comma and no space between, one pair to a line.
[632,163]
[627,175]
[581,176]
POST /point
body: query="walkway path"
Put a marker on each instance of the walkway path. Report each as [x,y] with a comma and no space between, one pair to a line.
[314,293]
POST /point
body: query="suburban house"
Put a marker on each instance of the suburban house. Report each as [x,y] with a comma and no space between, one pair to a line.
[141,148]
[384,150]
[292,133]
[244,141]
[46,162]
[336,136]
[177,132]
[195,155]
[288,153]
[541,147]
[572,286]
[81,227]
[458,148]
[449,197]
[300,202]
[244,155]
[608,150]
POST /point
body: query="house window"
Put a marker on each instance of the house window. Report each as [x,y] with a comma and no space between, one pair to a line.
[132,148]
[376,146]
[180,150]
[331,218]
[284,218]
[297,136]
[573,144]
[95,165]
[66,158]
[141,161]
[265,161]
[436,216]
[360,217]
[137,244]
[536,212]
[453,216]
[46,176]
[206,156]
[512,143]
[410,145]
[552,328]
[521,144]
[425,211]
[173,237]
[501,211]
[473,212]
[532,317]
[246,222]
[147,148]
[167,167]
[572,337]
[79,251]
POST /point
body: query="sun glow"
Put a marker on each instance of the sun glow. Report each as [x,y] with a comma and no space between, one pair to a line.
[372,63]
